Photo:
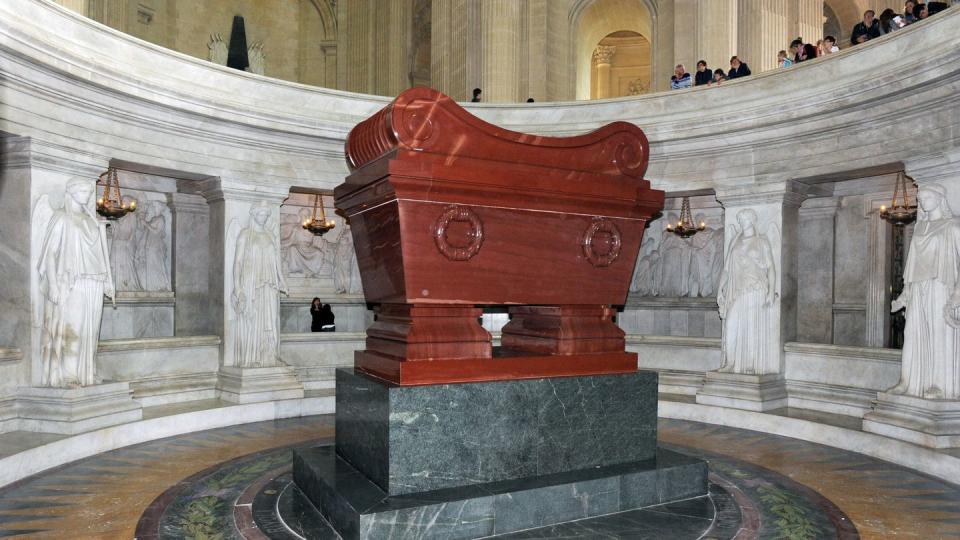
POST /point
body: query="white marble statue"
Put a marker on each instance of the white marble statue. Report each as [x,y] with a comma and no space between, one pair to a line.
[218,50]
[931,295]
[747,298]
[153,263]
[346,272]
[304,254]
[74,275]
[123,250]
[257,283]
[256,58]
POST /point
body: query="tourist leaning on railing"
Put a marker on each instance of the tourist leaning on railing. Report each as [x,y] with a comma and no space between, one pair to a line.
[681,79]
[703,75]
[782,60]
[737,68]
[867,29]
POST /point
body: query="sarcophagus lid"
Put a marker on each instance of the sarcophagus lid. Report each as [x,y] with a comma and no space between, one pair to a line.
[446,208]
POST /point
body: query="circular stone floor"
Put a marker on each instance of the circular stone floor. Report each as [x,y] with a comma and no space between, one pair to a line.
[235,483]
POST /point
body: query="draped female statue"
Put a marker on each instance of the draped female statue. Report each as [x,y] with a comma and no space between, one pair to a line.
[931,295]
[746,299]
[257,282]
[74,276]
[123,251]
[154,264]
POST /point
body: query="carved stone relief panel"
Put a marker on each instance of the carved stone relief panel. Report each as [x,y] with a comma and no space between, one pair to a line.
[671,267]
[316,265]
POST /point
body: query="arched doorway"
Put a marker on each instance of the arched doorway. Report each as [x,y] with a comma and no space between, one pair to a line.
[622,66]
[596,20]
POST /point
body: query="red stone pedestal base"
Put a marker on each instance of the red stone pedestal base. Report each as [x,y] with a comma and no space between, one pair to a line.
[505,365]
[413,344]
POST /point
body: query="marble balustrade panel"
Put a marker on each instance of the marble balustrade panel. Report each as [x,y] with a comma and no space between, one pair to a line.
[316,355]
[163,370]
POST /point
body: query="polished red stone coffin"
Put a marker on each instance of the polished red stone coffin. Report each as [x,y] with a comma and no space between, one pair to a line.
[449,213]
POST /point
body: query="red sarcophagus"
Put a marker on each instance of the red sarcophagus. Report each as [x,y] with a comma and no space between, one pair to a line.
[450,213]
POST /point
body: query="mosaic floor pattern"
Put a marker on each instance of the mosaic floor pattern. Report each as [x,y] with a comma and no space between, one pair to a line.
[234,483]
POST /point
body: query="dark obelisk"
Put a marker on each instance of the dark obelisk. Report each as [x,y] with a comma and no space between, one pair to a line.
[237,57]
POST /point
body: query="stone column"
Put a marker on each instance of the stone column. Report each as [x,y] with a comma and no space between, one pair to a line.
[716,33]
[924,407]
[763,31]
[602,58]
[809,21]
[501,27]
[455,47]
[391,38]
[815,263]
[80,6]
[113,13]
[353,46]
[230,202]
[191,262]
[752,374]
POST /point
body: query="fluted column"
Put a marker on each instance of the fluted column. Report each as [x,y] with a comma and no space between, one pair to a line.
[112,13]
[80,6]
[763,31]
[353,46]
[809,22]
[501,27]
[603,58]
[454,47]
[391,39]
[716,33]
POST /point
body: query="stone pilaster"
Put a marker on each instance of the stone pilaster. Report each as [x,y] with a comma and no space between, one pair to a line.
[763,31]
[353,46]
[760,385]
[815,264]
[191,261]
[501,29]
[879,268]
[230,202]
[455,47]
[391,40]
[924,408]
[716,33]
[113,13]
[808,23]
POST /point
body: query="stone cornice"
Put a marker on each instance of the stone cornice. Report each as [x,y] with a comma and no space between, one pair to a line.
[30,153]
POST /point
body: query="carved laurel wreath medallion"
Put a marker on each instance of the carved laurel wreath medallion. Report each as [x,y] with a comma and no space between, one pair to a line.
[452,214]
[602,227]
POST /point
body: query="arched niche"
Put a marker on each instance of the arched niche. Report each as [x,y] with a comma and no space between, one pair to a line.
[593,20]
[846,13]
[628,66]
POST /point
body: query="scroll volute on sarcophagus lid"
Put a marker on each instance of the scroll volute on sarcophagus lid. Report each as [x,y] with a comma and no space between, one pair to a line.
[446,208]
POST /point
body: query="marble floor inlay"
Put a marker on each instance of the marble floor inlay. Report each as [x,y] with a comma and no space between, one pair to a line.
[235,483]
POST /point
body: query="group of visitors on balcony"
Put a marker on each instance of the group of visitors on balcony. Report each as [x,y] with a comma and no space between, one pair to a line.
[871,27]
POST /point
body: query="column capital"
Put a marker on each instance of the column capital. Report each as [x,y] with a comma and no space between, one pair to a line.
[603,54]
[819,208]
[215,189]
[187,203]
[937,167]
[786,193]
